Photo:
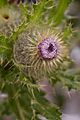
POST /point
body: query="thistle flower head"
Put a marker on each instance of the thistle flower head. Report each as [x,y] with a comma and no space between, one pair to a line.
[23,1]
[10,17]
[16,1]
[39,52]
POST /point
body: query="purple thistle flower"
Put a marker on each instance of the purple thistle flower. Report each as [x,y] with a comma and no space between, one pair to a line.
[23,1]
[16,1]
[39,52]
[48,48]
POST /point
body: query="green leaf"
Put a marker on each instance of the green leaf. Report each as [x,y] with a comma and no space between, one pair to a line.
[3,2]
[49,112]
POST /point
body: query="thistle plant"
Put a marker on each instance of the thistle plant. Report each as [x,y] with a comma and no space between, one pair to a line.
[35,44]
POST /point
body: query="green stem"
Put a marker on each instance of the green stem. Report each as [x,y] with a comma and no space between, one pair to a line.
[19,110]
[62,5]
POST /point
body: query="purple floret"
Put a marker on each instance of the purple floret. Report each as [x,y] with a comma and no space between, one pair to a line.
[48,48]
[18,1]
